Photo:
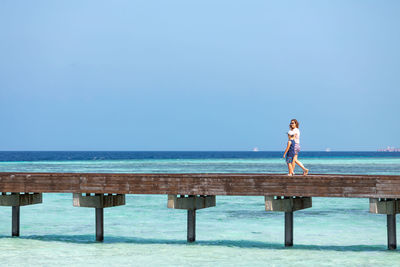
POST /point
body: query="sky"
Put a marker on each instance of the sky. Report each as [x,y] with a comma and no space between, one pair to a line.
[198,75]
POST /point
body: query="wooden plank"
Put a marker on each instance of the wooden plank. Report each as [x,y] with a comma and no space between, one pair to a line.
[331,185]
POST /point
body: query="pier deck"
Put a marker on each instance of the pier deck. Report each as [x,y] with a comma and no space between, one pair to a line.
[246,184]
[193,191]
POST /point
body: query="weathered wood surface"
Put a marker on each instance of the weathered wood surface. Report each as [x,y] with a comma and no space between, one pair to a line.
[257,184]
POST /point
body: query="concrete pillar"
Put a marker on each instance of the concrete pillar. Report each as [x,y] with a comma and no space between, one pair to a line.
[391,231]
[191,225]
[390,207]
[289,229]
[99,224]
[16,200]
[99,202]
[287,205]
[15,221]
[191,203]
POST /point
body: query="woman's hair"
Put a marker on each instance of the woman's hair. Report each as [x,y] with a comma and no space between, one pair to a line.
[295,121]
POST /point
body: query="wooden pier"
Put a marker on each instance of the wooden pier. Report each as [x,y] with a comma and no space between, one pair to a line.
[192,191]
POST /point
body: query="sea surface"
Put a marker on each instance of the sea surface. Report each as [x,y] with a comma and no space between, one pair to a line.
[237,232]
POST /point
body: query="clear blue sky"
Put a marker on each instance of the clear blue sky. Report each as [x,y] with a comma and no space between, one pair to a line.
[198,75]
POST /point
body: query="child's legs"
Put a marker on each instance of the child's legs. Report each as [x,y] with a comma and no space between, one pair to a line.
[290,168]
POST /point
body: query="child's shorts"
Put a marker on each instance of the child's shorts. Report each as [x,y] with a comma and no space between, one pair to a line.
[289,159]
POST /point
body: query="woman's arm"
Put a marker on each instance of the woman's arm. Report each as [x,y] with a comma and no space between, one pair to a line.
[287,149]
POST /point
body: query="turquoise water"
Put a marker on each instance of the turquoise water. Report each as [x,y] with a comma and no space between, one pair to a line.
[237,232]
[275,165]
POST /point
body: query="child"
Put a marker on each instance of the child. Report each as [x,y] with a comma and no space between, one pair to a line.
[290,152]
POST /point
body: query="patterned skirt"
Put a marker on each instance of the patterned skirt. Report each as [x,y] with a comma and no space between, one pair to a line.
[296,148]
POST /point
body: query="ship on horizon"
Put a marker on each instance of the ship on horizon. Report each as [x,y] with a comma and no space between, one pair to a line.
[389,149]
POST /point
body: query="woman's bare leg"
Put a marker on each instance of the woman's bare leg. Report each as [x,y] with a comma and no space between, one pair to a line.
[296,161]
[300,164]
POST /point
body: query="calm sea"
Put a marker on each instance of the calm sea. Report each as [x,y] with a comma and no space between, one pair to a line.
[237,232]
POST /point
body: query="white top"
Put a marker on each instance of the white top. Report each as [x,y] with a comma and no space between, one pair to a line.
[296,135]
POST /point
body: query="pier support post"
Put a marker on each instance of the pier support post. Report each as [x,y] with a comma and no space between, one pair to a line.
[191,203]
[15,221]
[99,224]
[390,207]
[391,231]
[191,225]
[99,202]
[287,205]
[289,229]
[16,200]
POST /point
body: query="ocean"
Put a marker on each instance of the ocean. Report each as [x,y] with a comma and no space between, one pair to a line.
[237,232]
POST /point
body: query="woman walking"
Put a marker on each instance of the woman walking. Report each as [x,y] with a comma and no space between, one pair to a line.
[294,127]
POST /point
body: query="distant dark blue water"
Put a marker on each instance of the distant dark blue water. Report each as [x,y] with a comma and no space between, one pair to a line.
[126,155]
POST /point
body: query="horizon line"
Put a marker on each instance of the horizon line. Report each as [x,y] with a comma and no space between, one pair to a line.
[191,151]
